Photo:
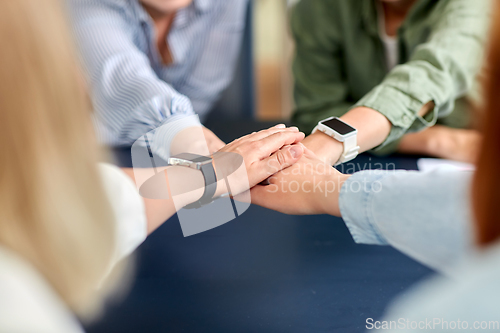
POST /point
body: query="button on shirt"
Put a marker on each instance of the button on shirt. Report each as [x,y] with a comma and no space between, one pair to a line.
[132,90]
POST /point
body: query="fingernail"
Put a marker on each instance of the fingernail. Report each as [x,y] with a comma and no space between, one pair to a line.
[294,128]
[296,151]
[280,126]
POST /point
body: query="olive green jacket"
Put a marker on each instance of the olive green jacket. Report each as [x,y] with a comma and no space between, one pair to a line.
[340,60]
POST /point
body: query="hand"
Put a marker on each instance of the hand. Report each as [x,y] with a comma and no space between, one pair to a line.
[440,141]
[167,189]
[213,142]
[310,186]
[263,153]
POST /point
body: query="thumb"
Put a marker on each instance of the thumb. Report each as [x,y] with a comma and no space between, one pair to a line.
[281,159]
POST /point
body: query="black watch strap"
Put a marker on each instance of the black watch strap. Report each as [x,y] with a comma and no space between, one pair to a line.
[208,172]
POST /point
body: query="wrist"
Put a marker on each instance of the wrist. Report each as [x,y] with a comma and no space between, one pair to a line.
[330,201]
[186,185]
[196,182]
[221,188]
[325,147]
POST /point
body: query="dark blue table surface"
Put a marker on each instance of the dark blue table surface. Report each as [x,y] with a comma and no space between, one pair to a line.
[263,272]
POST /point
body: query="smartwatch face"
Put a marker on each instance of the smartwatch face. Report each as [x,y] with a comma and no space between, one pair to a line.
[339,126]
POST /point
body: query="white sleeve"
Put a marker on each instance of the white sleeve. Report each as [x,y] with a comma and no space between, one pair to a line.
[128,208]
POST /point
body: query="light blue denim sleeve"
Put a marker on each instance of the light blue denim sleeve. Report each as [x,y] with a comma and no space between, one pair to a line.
[426,216]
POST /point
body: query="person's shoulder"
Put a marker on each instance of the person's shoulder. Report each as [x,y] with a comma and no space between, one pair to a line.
[27,302]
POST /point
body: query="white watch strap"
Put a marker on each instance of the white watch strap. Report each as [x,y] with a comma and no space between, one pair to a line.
[351,150]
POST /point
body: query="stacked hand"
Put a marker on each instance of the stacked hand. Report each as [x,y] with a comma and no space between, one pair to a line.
[310,186]
[299,181]
[167,189]
[263,154]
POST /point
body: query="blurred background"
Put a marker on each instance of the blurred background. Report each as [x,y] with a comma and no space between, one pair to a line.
[262,87]
[272,54]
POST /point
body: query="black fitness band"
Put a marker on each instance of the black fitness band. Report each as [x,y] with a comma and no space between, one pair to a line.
[208,172]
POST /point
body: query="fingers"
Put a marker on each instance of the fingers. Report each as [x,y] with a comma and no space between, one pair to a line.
[278,161]
[271,140]
[270,131]
[256,136]
[272,143]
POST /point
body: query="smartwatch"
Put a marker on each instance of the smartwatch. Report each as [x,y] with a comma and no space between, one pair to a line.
[205,165]
[342,132]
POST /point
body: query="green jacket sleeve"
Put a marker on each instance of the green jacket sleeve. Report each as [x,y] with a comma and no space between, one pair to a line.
[440,70]
[320,90]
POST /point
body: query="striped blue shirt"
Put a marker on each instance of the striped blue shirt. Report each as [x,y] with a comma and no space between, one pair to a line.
[133,92]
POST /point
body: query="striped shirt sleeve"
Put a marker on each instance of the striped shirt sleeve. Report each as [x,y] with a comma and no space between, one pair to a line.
[129,98]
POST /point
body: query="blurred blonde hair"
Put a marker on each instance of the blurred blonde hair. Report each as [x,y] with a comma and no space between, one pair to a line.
[53,209]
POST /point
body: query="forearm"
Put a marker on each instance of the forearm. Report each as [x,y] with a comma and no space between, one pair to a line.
[181,187]
[330,203]
[443,142]
[373,128]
